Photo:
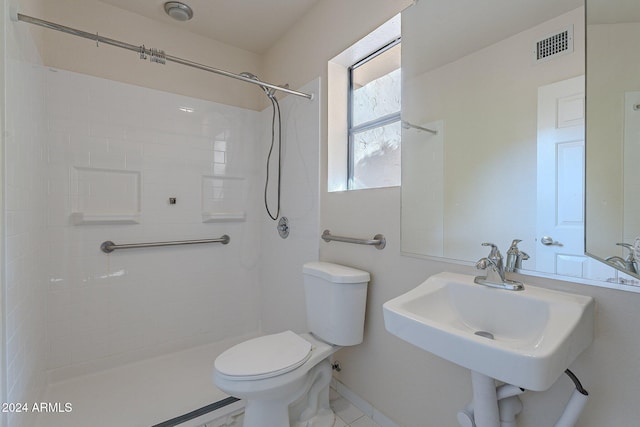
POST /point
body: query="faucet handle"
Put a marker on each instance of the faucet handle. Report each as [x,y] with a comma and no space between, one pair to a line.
[482,264]
[495,252]
[631,256]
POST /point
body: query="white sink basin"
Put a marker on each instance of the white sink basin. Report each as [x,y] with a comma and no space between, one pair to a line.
[537,333]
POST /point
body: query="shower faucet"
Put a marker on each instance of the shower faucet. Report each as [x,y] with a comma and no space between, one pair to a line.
[494,266]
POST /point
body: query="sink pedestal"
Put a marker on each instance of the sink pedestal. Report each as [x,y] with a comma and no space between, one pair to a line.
[485,401]
[491,406]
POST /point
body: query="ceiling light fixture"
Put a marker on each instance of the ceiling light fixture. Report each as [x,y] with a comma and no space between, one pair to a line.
[178,11]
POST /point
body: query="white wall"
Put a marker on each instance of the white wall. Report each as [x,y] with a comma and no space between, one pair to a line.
[109,309]
[281,281]
[24,225]
[408,385]
[114,149]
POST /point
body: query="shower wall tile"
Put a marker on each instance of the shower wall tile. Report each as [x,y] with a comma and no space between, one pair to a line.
[106,309]
[282,259]
[25,190]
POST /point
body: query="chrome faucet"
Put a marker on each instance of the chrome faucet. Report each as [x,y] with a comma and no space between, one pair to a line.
[629,263]
[495,271]
[515,257]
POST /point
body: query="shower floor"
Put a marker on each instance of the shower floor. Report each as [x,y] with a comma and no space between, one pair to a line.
[139,394]
[156,390]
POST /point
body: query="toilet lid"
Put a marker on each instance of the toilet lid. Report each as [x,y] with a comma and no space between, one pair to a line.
[264,357]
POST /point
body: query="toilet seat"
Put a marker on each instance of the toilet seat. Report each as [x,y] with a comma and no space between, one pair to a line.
[264,357]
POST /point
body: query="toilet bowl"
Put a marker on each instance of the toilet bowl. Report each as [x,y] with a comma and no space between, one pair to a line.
[284,378]
[269,394]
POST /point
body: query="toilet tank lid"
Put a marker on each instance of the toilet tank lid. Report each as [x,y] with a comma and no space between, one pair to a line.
[335,273]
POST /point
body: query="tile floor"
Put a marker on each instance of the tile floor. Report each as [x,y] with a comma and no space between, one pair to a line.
[347,414]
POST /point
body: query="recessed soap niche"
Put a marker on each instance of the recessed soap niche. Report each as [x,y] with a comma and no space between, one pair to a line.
[106,196]
[223,198]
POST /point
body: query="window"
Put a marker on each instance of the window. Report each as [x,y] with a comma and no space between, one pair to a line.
[359,98]
[374,125]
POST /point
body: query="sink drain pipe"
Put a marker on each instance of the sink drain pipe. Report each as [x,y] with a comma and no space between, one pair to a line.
[576,404]
[509,405]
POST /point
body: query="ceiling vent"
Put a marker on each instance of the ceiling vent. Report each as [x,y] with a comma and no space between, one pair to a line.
[554,45]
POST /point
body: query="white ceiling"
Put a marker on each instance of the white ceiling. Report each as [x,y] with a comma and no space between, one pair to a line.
[253,25]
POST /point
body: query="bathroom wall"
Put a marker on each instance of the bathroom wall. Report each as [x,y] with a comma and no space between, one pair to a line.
[281,277]
[280,312]
[406,384]
[116,154]
[105,138]
[24,221]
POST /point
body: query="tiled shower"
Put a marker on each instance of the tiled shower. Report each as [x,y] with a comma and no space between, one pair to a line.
[117,154]
[90,160]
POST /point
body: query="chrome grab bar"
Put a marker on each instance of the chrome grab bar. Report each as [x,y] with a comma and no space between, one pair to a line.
[378,240]
[108,246]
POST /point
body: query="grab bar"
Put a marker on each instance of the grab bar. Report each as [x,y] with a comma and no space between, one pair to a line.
[378,240]
[108,246]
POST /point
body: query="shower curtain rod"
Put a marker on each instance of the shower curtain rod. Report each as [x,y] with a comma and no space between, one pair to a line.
[156,55]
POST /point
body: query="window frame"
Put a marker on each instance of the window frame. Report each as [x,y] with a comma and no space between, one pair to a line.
[371,124]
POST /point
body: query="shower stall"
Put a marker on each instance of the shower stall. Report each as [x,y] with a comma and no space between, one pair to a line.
[89,160]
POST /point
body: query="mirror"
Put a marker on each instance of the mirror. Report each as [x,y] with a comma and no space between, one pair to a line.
[613,132]
[501,85]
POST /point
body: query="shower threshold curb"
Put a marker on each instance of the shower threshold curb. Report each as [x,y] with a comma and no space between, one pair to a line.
[197,413]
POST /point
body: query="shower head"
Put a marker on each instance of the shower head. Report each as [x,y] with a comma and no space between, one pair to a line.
[270,92]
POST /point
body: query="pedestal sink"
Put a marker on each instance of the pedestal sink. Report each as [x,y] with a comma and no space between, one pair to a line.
[524,338]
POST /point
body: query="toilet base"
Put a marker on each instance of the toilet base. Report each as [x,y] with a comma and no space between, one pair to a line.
[257,411]
[312,409]
[278,416]
[307,407]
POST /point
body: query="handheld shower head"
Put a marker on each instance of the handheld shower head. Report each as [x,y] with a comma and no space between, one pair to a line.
[270,92]
[276,111]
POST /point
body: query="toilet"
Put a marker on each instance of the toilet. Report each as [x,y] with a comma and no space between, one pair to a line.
[284,378]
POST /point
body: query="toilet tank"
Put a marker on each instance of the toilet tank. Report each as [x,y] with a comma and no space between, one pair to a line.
[336,297]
